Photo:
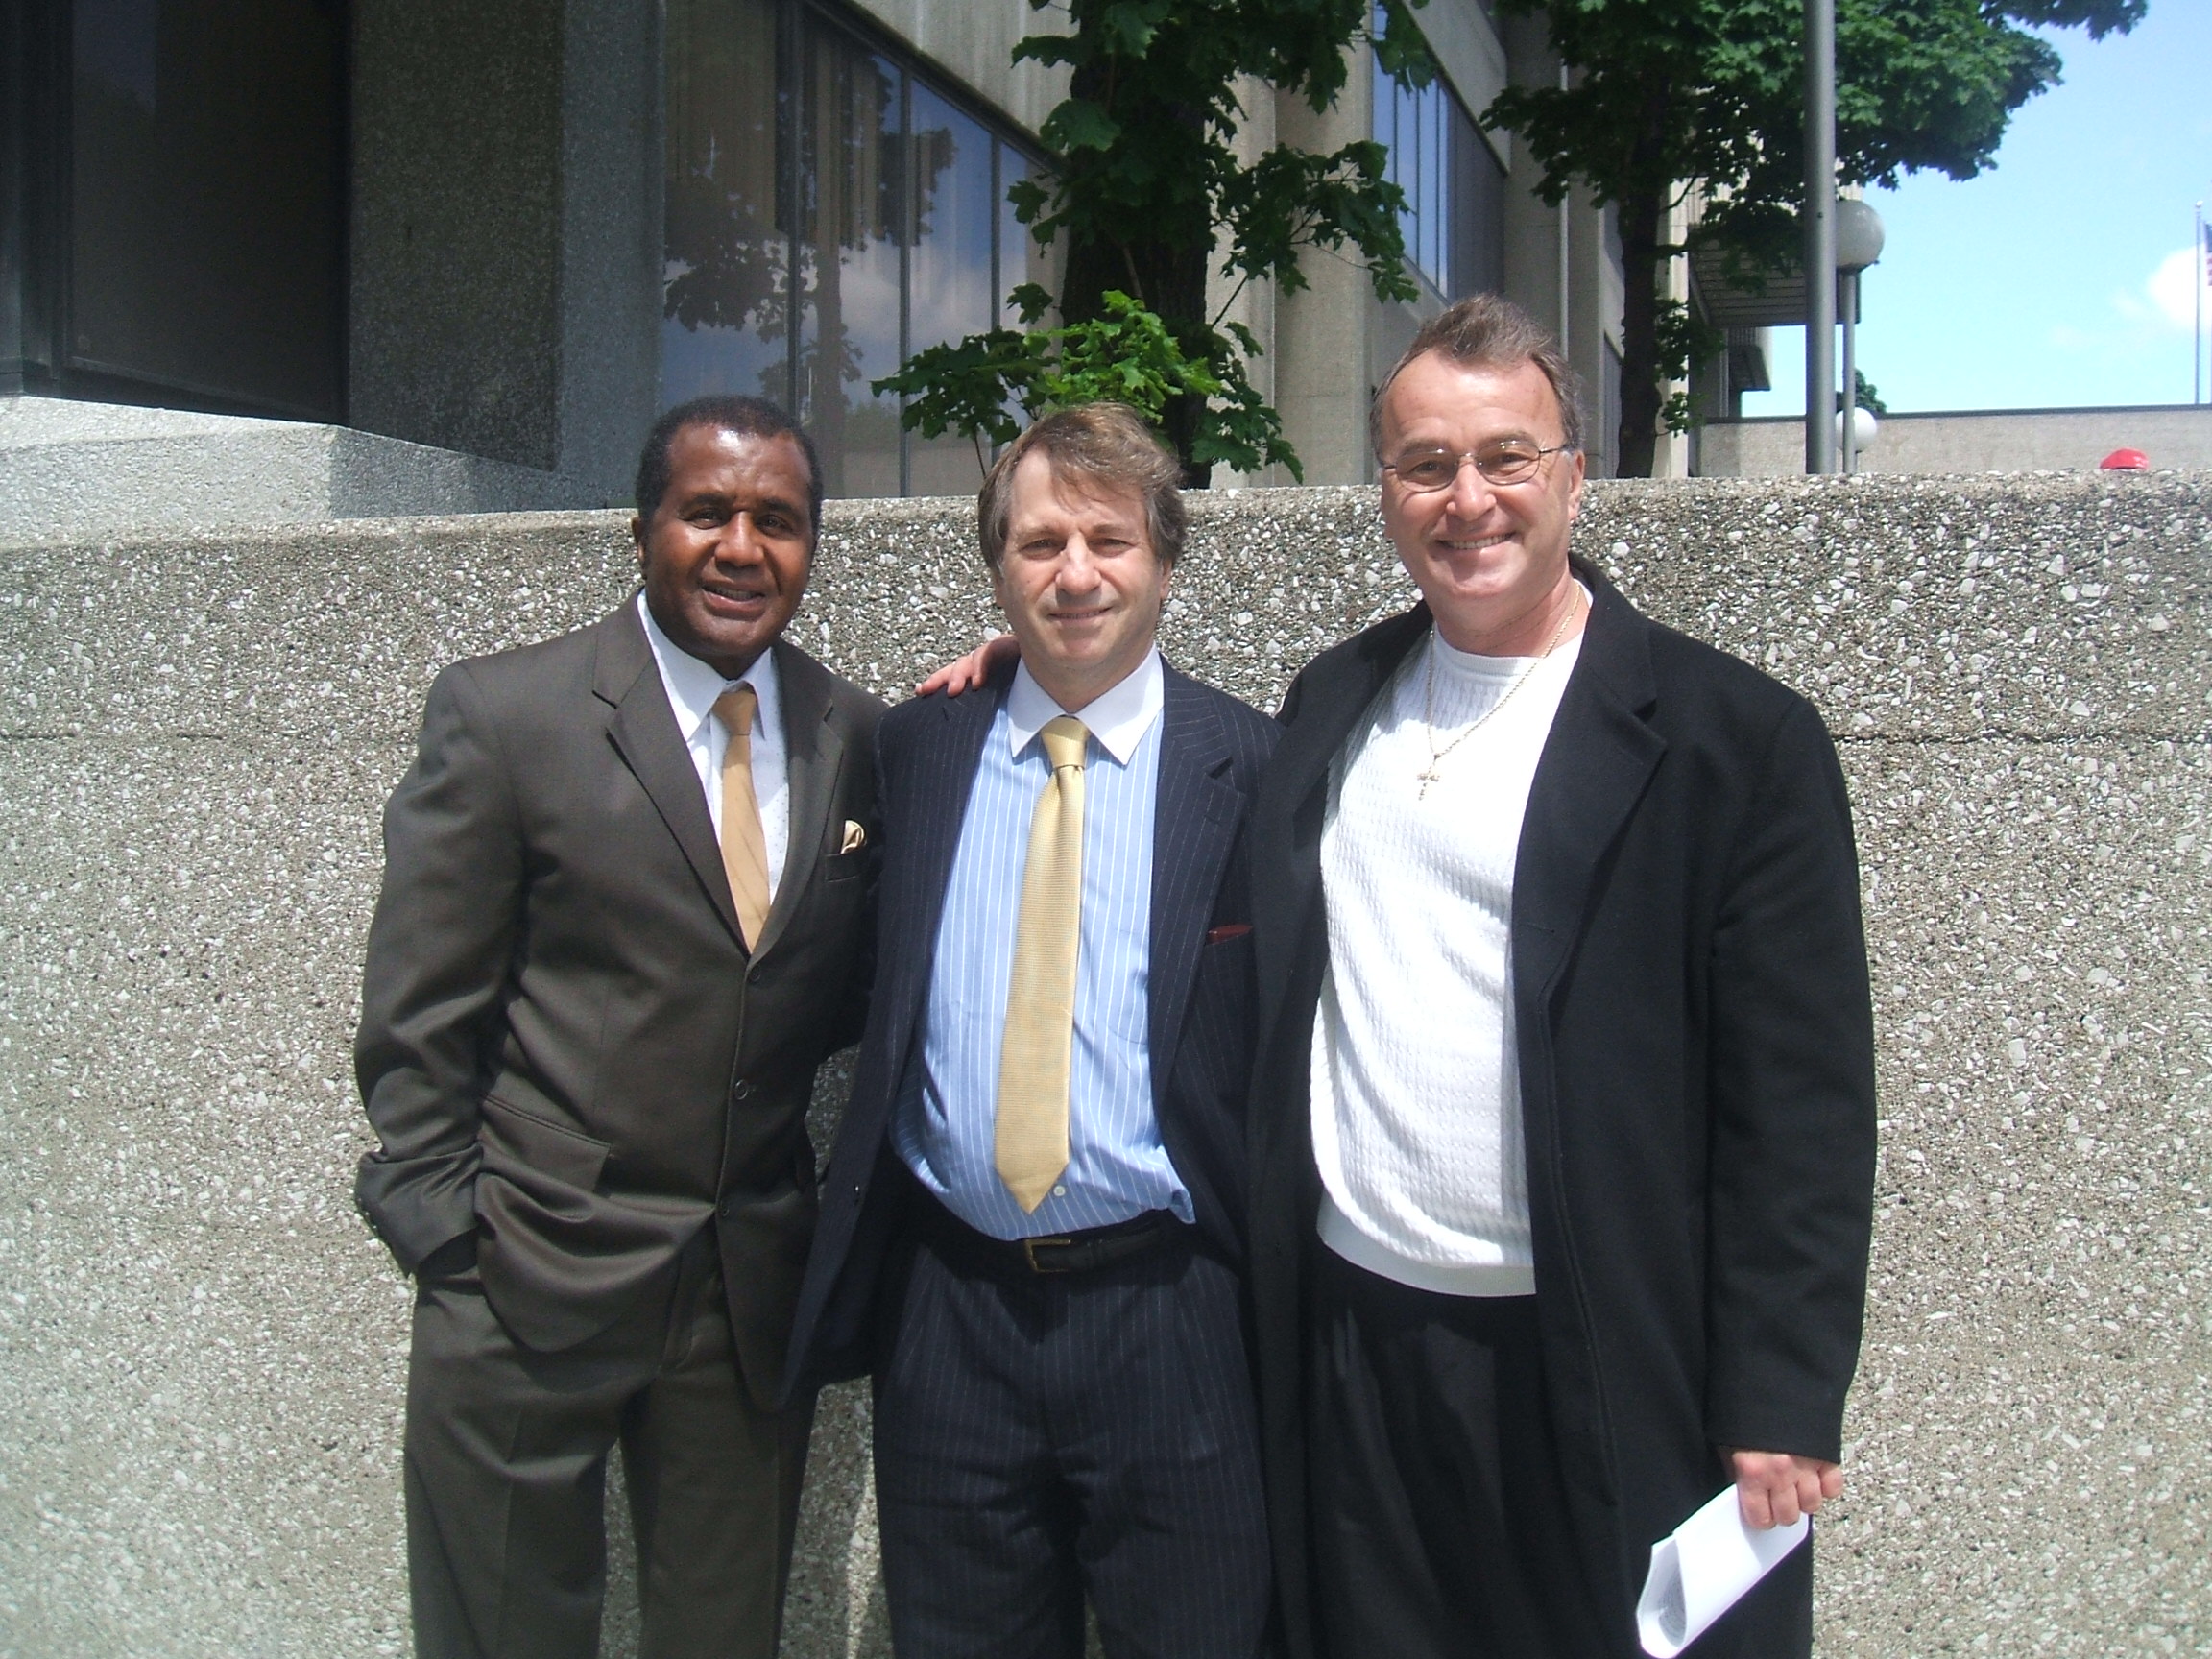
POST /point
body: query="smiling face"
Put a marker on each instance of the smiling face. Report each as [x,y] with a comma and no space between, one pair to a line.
[1490,559]
[1078,579]
[726,553]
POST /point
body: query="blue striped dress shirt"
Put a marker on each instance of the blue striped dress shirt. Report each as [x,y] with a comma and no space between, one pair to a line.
[945,1126]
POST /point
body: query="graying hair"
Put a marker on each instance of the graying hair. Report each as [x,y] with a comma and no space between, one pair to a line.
[1489,331]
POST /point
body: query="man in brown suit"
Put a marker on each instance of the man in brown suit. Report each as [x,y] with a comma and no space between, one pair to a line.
[626,913]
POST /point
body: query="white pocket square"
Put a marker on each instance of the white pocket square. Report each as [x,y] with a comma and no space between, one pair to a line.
[856,837]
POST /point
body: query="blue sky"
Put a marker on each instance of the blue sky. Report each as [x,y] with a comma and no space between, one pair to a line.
[2059,276]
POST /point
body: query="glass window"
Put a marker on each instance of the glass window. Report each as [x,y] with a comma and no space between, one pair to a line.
[1477,211]
[829,213]
[851,261]
[953,290]
[1455,217]
[1021,259]
[1427,193]
[727,262]
[204,207]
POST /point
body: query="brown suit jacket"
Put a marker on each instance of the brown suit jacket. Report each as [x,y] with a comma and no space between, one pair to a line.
[565,1045]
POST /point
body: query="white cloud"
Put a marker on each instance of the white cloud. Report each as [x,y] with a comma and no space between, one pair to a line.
[2172,291]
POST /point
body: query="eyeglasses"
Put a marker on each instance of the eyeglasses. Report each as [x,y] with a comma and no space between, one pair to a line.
[1509,461]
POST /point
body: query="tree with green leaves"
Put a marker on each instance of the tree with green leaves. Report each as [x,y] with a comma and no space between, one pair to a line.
[1677,95]
[1145,194]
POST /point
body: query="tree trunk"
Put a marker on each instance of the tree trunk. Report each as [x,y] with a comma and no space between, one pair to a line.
[1164,272]
[1640,215]
[1163,279]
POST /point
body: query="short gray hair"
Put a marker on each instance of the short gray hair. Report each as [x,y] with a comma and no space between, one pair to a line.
[1489,331]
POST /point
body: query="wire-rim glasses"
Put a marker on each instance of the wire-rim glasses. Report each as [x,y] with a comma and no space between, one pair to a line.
[1506,461]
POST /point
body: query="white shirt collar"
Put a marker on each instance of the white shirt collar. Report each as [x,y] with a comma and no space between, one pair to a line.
[693,685]
[1477,667]
[1117,719]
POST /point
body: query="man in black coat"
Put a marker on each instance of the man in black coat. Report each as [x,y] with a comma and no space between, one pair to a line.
[1563,1124]
[1032,1224]
[625,915]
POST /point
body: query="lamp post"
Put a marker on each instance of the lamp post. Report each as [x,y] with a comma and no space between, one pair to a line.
[1819,234]
[1857,245]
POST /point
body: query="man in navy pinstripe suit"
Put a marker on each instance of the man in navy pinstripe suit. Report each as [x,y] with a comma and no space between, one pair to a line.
[1063,1401]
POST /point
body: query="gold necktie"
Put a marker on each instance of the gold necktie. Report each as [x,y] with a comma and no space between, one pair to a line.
[744,847]
[1032,1141]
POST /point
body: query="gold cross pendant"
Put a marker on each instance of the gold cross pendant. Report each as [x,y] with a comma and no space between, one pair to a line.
[1425,776]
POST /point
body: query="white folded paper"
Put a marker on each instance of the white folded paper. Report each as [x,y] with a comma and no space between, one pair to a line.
[1703,1569]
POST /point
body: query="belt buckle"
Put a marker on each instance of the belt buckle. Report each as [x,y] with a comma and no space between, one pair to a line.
[1029,1254]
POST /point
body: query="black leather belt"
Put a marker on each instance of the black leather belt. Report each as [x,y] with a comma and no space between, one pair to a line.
[1047,1255]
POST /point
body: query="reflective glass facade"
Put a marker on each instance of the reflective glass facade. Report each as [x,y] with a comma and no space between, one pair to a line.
[829,213]
[1454,218]
[176,200]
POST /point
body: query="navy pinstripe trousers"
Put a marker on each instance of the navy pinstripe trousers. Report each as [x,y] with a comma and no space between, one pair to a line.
[1043,1438]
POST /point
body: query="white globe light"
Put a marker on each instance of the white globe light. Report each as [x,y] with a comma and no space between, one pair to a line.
[1859,234]
[1864,429]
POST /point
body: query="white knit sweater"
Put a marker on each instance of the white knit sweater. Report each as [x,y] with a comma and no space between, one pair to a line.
[1417,1095]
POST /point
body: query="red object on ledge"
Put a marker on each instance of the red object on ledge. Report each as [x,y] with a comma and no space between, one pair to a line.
[2126,461]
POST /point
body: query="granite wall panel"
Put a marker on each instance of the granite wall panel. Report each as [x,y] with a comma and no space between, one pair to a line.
[201,1348]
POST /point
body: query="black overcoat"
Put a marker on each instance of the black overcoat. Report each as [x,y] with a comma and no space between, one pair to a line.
[1695,1049]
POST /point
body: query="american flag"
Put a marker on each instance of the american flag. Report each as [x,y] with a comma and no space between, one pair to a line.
[2209,254]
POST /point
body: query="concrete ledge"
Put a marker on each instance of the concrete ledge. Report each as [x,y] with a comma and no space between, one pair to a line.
[200,1349]
[70,470]
[1971,440]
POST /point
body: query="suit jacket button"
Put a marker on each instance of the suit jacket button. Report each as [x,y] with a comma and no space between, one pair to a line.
[740,1090]
[727,1210]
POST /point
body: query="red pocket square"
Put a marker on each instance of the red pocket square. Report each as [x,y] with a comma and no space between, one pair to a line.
[1227,931]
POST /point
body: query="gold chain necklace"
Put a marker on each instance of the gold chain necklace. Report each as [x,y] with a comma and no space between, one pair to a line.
[1430,775]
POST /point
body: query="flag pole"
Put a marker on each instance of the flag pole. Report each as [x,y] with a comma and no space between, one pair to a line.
[2199,248]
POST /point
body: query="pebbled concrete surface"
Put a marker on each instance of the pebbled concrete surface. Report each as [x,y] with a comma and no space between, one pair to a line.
[200,1347]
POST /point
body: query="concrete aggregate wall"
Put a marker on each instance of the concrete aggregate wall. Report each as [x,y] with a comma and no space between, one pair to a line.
[201,1348]
[2173,435]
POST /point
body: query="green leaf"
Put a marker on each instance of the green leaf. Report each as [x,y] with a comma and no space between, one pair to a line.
[1146,187]
[1129,355]
[1128,27]
[1028,199]
[1401,49]
[1078,124]
[1030,300]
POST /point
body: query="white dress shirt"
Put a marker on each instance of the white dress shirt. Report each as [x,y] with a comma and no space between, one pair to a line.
[1118,717]
[692,688]
[945,1122]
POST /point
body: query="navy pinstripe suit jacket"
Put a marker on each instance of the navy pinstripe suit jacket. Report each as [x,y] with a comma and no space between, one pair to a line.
[1212,749]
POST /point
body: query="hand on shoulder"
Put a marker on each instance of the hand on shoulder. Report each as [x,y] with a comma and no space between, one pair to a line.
[966,673]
